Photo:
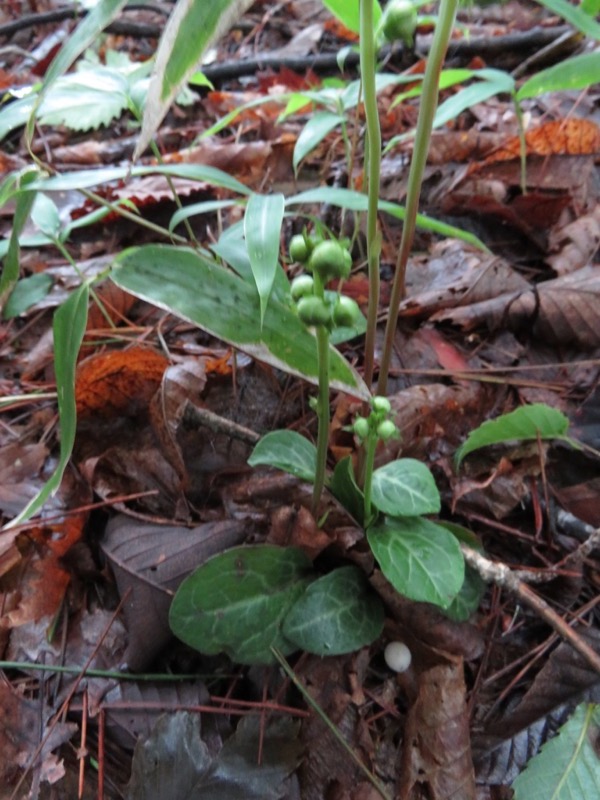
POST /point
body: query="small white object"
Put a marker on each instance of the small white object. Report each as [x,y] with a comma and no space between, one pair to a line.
[397,656]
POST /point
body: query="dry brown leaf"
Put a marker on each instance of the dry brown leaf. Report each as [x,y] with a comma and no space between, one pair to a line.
[575,245]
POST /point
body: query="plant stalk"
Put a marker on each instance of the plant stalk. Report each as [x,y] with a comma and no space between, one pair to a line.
[370,448]
[372,169]
[429,102]
[322,402]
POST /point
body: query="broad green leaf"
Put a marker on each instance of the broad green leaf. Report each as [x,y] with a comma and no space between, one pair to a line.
[420,559]
[69,326]
[192,27]
[576,16]
[315,130]
[467,600]
[524,424]
[578,72]
[85,100]
[405,488]
[10,271]
[27,293]
[236,602]
[262,231]
[356,201]
[288,451]
[348,12]
[337,614]
[344,488]
[201,291]
[567,767]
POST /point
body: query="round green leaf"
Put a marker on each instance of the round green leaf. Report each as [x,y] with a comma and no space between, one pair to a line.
[467,600]
[405,488]
[236,602]
[286,450]
[336,614]
[420,559]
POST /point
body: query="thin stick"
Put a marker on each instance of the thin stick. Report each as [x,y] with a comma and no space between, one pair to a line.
[501,575]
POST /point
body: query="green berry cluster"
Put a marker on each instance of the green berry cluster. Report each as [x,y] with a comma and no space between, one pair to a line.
[399,21]
[327,260]
[378,423]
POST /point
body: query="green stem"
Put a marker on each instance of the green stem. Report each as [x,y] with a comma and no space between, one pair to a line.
[370,448]
[322,403]
[429,102]
[371,176]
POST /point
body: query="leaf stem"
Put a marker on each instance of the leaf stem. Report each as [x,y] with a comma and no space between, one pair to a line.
[372,170]
[370,447]
[429,102]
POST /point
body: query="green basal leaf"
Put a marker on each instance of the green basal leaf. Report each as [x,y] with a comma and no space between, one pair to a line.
[201,291]
[567,766]
[337,614]
[27,293]
[288,451]
[467,600]
[493,81]
[69,326]
[344,488]
[524,424]
[45,216]
[24,203]
[578,72]
[420,559]
[205,207]
[262,231]
[236,602]
[405,488]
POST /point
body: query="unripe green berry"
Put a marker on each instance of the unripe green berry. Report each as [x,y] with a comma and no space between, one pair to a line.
[313,311]
[302,286]
[399,21]
[381,405]
[386,430]
[361,427]
[330,260]
[345,312]
[299,249]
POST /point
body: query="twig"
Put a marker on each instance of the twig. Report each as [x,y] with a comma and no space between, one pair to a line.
[501,575]
[196,416]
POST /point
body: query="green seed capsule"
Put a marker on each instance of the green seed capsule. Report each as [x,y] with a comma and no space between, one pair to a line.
[313,311]
[345,312]
[302,286]
[386,430]
[299,250]
[399,21]
[361,427]
[330,260]
[381,404]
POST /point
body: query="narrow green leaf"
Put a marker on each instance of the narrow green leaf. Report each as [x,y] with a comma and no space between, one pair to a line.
[575,15]
[192,27]
[313,133]
[204,207]
[578,72]
[27,293]
[45,216]
[420,559]
[356,201]
[494,81]
[405,488]
[225,305]
[69,326]
[337,614]
[524,424]
[262,230]
[288,451]
[10,271]
[567,767]
[236,602]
